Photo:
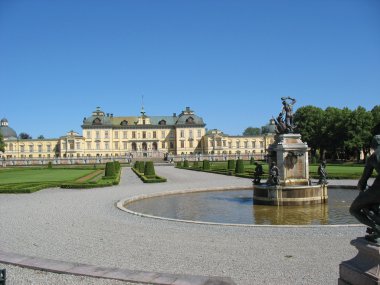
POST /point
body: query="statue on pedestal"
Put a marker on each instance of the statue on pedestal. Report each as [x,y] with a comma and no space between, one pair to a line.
[285,126]
[365,207]
[322,173]
[257,174]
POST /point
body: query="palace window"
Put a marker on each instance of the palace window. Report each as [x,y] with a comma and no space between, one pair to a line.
[107,145]
[171,144]
[124,145]
[124,123]
[11,147]
[154,134]
[106,134]
[190,120]
[144,135]
[254,144]
[97,146]
[133,134]
[116,135]
[88,134]
[229,144]
[97,134]
[162,144]
[78,145]
[245,144]
[31,148]
[116,145]
[199,133]
[40,148]
[88,145]
[237,144]
[190,143]
[97,121]
[71,144]
[162,134]
[261,144]
[190,134]
[182,134]
[162,122]
[125,135]
[224,143]
[182,144]
[48,148]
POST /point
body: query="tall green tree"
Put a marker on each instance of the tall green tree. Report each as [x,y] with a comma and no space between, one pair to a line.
[359,131]
[250,131]
[309,123]
[376,120]
[24,136]
[2,144]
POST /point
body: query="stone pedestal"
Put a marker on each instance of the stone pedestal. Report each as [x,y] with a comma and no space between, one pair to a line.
[363,269]
[291,157]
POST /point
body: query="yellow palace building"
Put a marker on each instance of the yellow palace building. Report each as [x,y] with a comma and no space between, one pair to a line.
[107,137]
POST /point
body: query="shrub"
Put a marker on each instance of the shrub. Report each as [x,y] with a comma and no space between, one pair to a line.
[252,160]
[141,167]
[149,169]
[186,163]
[313,160]
[206,165]
[231,164]
[239,166]
[135,165]
[110,169]
[117,166]
[195,164]
[50,165]
[179,164]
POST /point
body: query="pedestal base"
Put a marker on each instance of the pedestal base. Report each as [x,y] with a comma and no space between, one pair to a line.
[363,269]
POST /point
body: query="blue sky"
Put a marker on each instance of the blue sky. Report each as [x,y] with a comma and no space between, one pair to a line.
[230,61]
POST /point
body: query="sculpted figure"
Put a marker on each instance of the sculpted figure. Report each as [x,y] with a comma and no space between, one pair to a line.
[366,206]
[322,173]
[257,174]
[280,124]
[287,109]
[273,175]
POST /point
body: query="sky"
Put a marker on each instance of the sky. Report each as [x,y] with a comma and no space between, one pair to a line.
[230,61]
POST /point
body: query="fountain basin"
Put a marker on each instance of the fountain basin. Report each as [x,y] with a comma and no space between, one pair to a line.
[290,195]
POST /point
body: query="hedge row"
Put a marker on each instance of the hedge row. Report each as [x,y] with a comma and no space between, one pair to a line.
[148,179]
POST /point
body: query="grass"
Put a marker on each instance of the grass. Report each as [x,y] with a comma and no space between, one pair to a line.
[41,175]
[28,180]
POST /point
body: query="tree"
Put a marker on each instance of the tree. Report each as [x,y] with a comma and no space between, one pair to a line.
[41,137]
[359,126]
[250,131]
[309,123]
[24,136]
[376,120]
[2,144]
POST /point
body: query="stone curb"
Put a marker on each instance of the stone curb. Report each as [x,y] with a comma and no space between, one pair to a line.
[136,276]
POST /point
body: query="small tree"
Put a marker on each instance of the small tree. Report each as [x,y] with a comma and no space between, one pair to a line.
[50,165]
[24,136]
[231,164]
[149,169]
[186,163]
[110,169]
[252,160]
[239,166]
[206,165]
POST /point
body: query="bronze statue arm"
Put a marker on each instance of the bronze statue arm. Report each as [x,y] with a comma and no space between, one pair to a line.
[367,172]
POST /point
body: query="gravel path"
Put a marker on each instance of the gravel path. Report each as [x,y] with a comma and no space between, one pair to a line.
[85,226]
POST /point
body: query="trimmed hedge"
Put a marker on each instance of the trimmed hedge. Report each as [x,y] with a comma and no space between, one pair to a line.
[149,169]
[252,160]
[239,169]
[195,164]
[186,163]
[231,164]
[151,179]
[110,169]
[206,165]
[179,164]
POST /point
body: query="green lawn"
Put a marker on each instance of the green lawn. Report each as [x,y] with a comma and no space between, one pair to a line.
[41,175]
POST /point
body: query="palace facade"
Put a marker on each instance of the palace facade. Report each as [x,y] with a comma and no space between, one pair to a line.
[107,136]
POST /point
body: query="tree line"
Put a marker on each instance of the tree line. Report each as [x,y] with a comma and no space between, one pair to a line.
[337,133]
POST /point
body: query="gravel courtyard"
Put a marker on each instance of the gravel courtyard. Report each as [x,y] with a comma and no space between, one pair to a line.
[85,226]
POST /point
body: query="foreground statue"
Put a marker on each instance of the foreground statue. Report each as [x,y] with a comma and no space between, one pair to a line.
[257,174]
[366,206]
[322,173]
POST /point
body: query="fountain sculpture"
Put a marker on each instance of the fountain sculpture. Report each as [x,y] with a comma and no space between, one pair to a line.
[288,182]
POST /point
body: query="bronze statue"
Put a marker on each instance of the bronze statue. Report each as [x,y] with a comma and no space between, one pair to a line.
[322,173]
[273,175]
[257,174]
[365,207]
[287,109]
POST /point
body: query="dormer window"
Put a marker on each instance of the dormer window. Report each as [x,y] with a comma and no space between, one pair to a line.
[162,122]
[124,123]
[97,121]
[190,120]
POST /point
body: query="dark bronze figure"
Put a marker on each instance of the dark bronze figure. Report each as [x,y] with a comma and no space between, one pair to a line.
[287,109]
[322,173]
[257,174]
[273,175]
[365,207]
